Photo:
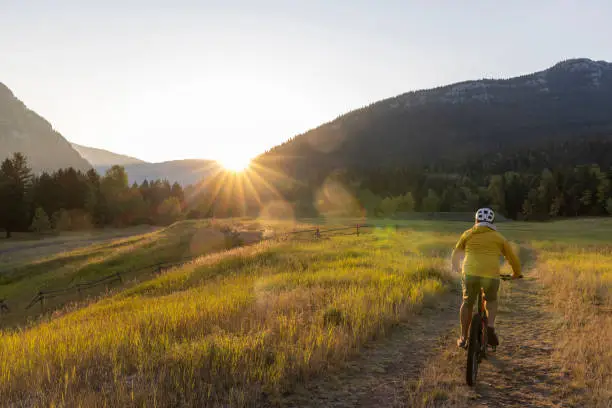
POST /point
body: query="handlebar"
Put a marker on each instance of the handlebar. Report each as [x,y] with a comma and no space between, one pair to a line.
[509,277]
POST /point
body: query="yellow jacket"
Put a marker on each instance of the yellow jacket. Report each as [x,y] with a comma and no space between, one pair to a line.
[483,246]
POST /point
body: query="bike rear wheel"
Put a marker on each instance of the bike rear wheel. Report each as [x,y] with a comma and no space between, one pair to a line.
[473,350]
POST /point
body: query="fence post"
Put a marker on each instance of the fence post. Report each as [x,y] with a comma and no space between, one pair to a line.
[3,307]
[357,229]
[317,233]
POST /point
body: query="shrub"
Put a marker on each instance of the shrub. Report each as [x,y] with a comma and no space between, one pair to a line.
[40,222]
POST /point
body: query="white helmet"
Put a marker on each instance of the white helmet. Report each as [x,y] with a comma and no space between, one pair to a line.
[485,215]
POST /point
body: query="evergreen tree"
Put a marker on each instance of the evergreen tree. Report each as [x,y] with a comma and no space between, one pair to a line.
[530,205]
[603,190]
[15,183]
[95,203]
[497,192]
[406,203]
[177,192]
[113,187]
[547,192]
[45,193]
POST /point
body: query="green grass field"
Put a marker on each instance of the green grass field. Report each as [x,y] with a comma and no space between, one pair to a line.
[134,257]
[237,327]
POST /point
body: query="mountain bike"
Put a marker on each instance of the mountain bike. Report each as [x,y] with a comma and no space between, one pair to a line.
[478,340]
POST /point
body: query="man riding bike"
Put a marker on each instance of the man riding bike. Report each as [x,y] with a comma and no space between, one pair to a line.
[483,246]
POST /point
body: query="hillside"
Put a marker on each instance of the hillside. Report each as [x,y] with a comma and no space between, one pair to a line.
[184,172]
[452,123]
[22,130]
[101,157]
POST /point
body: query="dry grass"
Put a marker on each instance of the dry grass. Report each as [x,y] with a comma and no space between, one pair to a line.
[574,274]
[580,282]
[242,327]
[229,329]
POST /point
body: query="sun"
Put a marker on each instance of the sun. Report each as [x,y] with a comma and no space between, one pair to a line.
[235,163]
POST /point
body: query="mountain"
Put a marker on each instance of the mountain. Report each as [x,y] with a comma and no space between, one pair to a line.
[22,130]
[468,120]
[184,172]
[101,157]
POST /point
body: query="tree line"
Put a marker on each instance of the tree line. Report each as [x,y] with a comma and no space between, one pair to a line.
[518,189]
[584,190]
[69,199]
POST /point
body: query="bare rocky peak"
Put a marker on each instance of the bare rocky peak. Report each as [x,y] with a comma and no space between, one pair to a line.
[583,64]
[489,90]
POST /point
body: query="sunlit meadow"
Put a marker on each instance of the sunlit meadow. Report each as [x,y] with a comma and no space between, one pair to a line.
[230,328]
[242,327]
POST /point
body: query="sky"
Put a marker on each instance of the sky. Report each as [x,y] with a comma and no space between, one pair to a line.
[165,80]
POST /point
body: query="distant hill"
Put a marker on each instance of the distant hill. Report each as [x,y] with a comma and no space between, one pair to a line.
[184,172]
[22,130]
[101,157]
[474,119]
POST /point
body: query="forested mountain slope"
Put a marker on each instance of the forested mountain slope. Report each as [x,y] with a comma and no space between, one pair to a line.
[473,119]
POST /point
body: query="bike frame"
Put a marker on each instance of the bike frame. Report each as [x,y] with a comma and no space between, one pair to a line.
[484,323]
[478,337]
[477,340]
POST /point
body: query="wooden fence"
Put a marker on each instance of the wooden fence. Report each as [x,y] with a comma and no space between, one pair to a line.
[43,295]
[80,288]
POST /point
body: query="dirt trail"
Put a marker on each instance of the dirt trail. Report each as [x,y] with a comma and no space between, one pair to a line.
[524,372]
[420,366]
[378,376]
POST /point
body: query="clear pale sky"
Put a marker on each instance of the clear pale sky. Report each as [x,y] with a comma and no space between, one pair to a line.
[164,80]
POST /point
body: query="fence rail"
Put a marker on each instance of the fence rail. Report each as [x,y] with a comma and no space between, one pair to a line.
[43,295]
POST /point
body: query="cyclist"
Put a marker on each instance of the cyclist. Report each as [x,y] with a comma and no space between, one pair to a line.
[482,246]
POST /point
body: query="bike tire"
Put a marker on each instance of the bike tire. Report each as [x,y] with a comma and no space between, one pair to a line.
[473,350]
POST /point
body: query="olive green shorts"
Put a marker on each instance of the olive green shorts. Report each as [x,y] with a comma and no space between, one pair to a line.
[471,285]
